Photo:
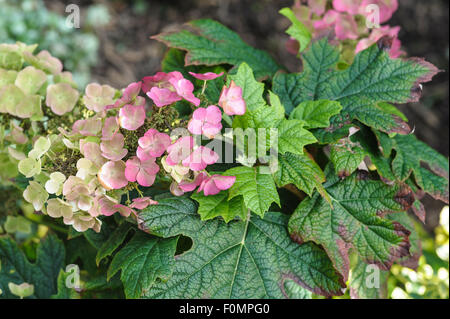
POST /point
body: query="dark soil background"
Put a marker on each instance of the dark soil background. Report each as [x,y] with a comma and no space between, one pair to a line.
[127,53]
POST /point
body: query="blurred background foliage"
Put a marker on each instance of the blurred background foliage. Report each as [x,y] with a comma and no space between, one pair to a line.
[29,21]
[113,47]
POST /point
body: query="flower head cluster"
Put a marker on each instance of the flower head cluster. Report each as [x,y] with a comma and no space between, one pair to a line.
[347,19]
[114,148]
[168,88]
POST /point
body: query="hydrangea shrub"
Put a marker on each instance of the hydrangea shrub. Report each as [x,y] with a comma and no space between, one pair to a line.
[222,176]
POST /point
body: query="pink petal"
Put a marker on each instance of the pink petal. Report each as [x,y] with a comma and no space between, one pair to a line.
[142,202]
[152,144]
[145,179]
[107,205]
[200,158]
[124,210]
[185,89]
[348,6]
[132,91]
[142,172]
[180,150]
[112,175]
[206,76]
[231,100]
[195,126]
[163,97]
[176,190]
[112,149]
[200,114]
[213,114]
[209,187]
[387,8]
[89,127]
[132,169]
[110,128]
[211,130]
[190,186]
[131,117]
[92,152]
[346,28]
[224,182]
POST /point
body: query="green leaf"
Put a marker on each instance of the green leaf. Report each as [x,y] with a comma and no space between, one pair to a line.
[372,78]
[43,274]
[367,281]
[296,88]
[366,139]
[346,157]
[213,44]
[97,240]
[252,90]
[355,221]
[219,205]
[297,30]
[241,259]
[415,250]
[301,171]
[142,261]
[261,116]
[410,155]
[316,113]
[113,242]
[292,137]
[174,61]
[258,189]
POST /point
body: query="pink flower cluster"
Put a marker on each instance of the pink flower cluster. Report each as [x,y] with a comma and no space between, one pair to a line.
[342,20]
[168,88]
[108,206]
[101,141]
[183,157]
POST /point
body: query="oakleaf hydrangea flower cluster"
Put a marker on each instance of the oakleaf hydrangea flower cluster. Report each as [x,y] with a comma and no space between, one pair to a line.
[347,18]
[112,145]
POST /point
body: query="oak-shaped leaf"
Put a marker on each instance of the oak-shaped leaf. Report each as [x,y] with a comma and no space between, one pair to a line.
[372,78]
[256,186]
[410,154]
[254,258]
[142,261]
[355,220]
[220,205]
[300,170]
[369,281]
[211,43]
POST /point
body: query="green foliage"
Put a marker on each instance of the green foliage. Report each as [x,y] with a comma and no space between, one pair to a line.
[316,113]
[344,152]
[297,30]
[43,274]
[213,43]
[373,77]
[142,261]
[354,221]
[301,171]
[219,205]
[243,259]
[257,188]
